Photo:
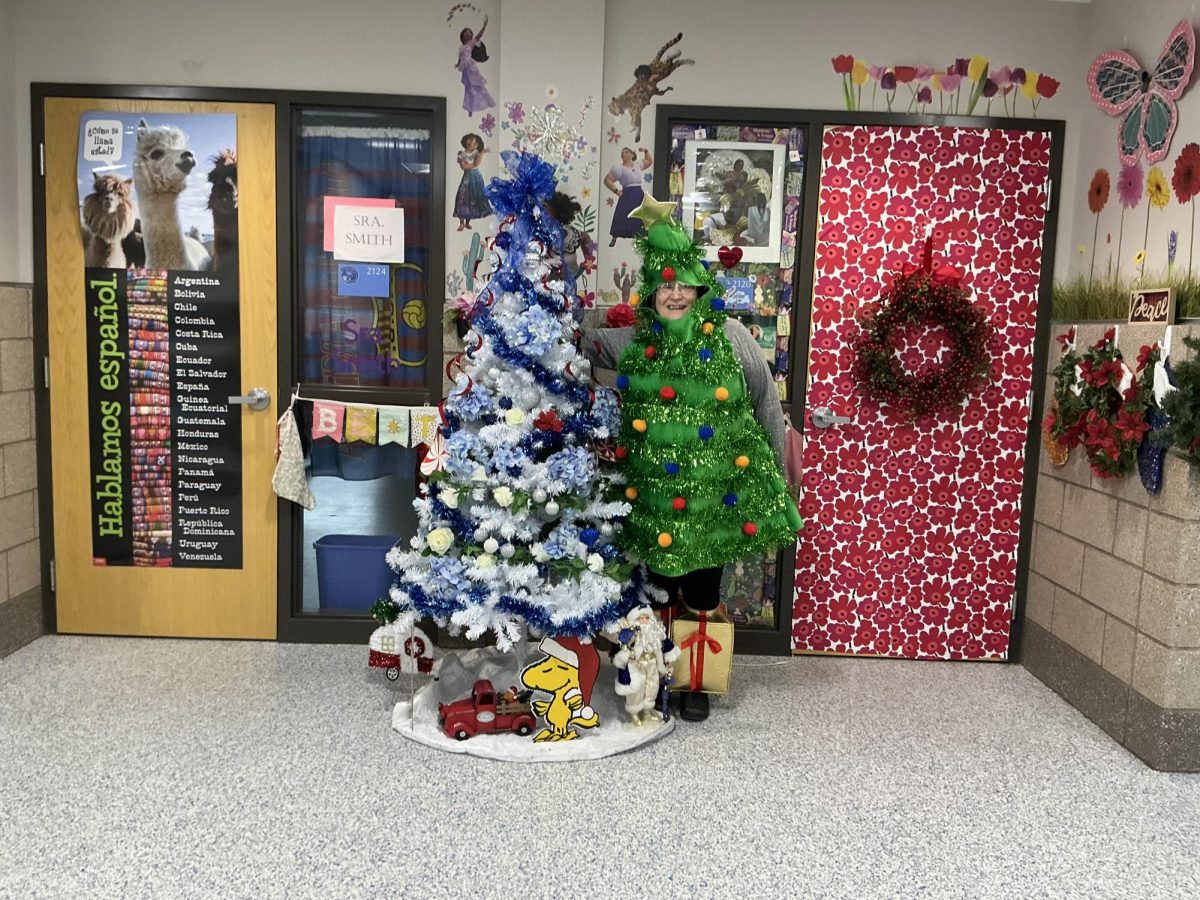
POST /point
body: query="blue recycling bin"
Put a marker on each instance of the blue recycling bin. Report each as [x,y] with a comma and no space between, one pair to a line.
[351,570]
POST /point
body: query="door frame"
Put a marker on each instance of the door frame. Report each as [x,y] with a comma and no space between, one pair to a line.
[290,625]
[817,120]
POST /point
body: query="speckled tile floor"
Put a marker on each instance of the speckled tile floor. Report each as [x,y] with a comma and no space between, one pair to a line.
[141,768]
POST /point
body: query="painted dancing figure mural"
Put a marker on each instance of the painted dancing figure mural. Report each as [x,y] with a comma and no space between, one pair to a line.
[645,84]
[471,52]
[625,180]
[470,202]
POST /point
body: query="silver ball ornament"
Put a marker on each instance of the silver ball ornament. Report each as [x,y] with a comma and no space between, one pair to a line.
[507,551]
[491,545]
[552,508]
[539,496]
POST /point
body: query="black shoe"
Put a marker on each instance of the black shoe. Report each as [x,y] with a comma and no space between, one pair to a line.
[693,706]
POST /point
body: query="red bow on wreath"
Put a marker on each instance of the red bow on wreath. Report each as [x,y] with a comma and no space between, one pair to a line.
[945,274]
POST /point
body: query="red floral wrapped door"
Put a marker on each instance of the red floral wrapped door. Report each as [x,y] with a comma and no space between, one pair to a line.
[910,542]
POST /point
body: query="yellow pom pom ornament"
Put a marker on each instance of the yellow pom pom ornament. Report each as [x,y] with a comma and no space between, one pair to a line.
[707,328]
[664,540]
[639,424]
[742,461]
[631,493]
[722,394]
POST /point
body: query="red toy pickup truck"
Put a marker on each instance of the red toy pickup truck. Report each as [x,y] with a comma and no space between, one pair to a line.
[485,711]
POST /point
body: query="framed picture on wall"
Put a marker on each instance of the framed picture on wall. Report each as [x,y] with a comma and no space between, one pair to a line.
[735,197]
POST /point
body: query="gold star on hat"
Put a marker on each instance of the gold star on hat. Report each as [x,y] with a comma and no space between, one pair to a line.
[652,210]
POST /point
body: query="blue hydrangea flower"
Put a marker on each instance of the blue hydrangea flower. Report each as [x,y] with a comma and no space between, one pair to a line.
[508,456]
[470,404]
[459,448]
[562,542]
[607,410]
[448,575]
[572,466]
[536,330]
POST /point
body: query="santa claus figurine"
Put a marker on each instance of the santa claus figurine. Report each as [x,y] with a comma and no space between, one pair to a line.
[643,661]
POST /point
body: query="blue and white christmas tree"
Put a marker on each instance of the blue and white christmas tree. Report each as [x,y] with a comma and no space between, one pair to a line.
[521,525]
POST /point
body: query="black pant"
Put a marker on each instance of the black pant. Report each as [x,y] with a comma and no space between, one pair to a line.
[699,590]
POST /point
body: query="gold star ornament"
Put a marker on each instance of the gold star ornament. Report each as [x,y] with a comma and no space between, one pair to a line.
[652,210]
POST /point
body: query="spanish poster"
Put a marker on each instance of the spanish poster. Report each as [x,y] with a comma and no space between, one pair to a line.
[159,223]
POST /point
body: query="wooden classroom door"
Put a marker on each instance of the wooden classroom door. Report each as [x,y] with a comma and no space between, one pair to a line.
[910,546]
[164,517]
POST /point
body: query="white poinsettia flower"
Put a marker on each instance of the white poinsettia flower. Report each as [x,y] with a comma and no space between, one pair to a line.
[503,495]
[595,562]
[449,497]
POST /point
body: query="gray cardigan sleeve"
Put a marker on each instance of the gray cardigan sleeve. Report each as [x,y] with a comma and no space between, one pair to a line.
[764,396]
[603,346]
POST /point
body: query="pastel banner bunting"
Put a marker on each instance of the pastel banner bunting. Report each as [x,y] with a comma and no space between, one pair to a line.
[393,425]
[425,423]
[360,424]
[328,419]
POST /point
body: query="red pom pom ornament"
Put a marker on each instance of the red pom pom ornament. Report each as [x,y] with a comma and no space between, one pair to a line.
[667,393]
[679,504]
[668,273]
[651,352]
[749,529]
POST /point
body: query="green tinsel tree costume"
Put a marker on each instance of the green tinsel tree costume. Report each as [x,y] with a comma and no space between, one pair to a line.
[704,480]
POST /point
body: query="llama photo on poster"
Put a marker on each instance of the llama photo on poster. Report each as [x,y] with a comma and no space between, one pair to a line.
[158,191]
[158,205]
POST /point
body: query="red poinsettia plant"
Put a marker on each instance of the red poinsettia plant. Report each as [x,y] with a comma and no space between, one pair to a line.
[1101,405]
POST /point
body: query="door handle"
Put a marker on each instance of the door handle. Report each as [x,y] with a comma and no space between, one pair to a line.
[823,417]
[258,398]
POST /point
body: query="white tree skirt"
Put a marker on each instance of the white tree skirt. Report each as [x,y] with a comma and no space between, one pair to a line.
[455,676]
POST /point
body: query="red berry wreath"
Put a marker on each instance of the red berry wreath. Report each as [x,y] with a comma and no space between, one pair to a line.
[920,298]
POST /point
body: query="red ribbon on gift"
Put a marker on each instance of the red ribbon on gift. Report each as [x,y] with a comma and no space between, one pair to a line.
[701,641]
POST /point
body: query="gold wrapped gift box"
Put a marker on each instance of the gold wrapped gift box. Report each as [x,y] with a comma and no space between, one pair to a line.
[705,642]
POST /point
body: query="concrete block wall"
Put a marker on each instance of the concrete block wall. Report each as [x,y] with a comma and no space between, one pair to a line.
[1113,602]
[20,554]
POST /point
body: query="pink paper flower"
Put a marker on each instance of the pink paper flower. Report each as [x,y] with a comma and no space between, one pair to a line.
[1003,77]
[950,83]
[1129,185]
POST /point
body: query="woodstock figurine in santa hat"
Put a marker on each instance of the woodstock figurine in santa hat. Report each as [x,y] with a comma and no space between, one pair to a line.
[568,673]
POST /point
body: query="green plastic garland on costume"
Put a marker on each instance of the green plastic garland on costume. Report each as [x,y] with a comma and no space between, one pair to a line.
[705,484]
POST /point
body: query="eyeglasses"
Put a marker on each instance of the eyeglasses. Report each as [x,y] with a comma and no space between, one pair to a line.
[677,287]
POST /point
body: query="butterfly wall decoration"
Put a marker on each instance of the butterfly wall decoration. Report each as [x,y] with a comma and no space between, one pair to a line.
[1145,99]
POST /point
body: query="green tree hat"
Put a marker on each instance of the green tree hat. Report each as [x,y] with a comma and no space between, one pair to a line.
[668,255]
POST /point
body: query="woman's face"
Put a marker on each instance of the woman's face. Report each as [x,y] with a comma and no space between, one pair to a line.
[673,300]
[472,144]
[628,156]
[466,35]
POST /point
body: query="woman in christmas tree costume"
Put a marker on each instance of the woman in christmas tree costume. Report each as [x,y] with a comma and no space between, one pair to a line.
[702,434]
